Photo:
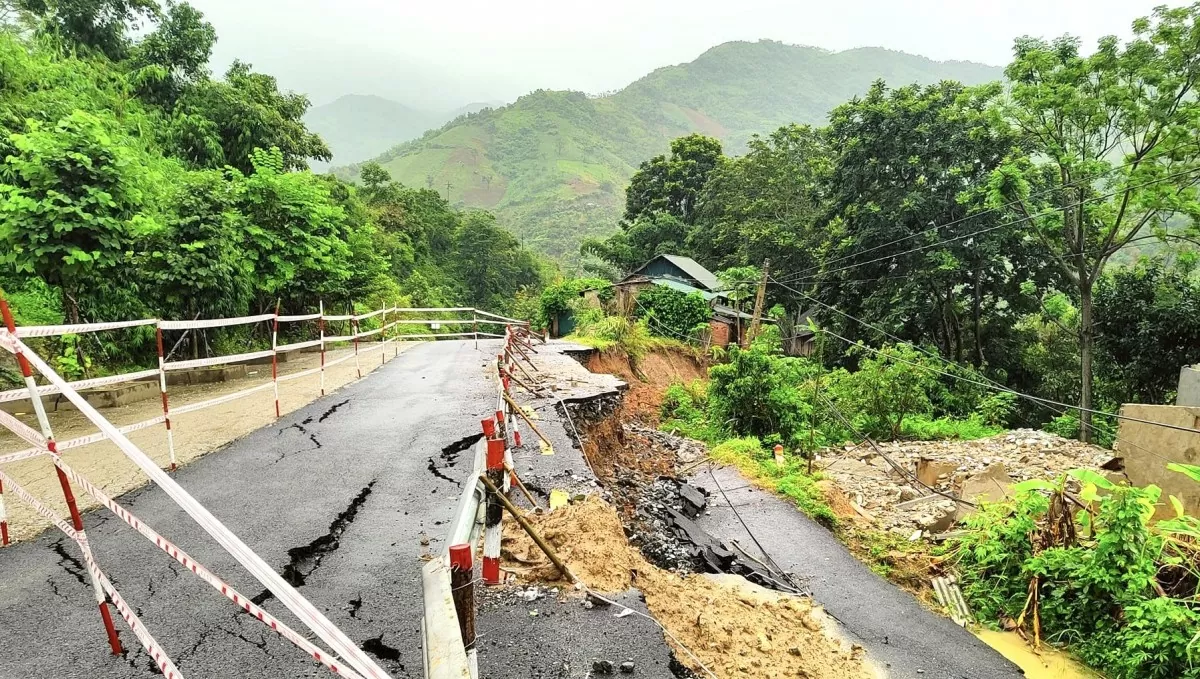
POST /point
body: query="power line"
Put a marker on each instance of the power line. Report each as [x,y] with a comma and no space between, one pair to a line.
[998,208]
[996,227]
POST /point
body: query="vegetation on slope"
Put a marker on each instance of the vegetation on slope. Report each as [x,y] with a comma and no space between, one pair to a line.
[553,165]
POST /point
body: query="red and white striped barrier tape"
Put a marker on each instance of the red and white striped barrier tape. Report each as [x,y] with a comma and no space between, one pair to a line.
[284,348]
[215,360]
[260,569]
[46,390]
[99,436]
[205,574]
[368,333]
[437,320]
[27,433]
[340,317]
[339,338]
[193,407]
[53,330]
[153,648]
[363,351]
[445,309]
[506,319]
[27,454]
[214,322]
[302,373]
[302,317]
[370,314]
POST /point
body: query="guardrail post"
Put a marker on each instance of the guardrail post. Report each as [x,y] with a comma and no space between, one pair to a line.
[462,584]
[76,519]
[475,327]
[275,357]
[3,519]
[162,391]
[321,334]
[383,335]
[495,511]
[354,328]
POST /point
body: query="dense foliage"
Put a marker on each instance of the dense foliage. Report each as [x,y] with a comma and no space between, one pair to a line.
[672,313]
[135,184]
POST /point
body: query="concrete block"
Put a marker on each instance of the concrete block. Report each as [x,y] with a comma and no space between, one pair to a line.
[1189,386]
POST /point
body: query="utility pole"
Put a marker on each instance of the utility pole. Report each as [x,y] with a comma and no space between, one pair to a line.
[759,299]
[447,191]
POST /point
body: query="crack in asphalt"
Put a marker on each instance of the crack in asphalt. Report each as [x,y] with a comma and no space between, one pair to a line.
[380,650]
[451,452]
[433,469]
[332,409]
[67,561]
[306,559]
[316,444]
[296,426]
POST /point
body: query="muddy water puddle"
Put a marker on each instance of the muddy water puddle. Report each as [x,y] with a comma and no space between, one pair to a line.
[1045,663]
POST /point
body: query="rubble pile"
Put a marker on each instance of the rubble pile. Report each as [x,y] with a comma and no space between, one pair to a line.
[982,469]
[686,451]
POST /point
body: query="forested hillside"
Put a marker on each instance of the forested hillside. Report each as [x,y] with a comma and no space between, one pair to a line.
[136,184]
[356,127]
[553,165]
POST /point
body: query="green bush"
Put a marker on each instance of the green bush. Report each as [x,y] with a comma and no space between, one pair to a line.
[672,313]
[923,428]
[886,389]
[560,297]
[1097,593]
[757,393]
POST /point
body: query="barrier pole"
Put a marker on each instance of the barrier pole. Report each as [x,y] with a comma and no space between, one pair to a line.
[475,326]
[162,391]
[321,332]
[462,588]
[397,347]
[383,335]
[354,327]
[3,519]
[495,512]
[275,357]
[114,642]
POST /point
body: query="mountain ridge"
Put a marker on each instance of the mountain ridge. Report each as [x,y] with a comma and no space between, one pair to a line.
[553,164]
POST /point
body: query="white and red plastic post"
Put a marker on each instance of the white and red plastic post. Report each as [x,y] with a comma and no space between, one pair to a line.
[494,513]
[3,519]
[162,390]
[114,642]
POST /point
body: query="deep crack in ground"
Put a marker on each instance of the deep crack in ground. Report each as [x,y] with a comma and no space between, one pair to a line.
[306,559]
[451,452]
[69,563]
[332,409]
[433,469]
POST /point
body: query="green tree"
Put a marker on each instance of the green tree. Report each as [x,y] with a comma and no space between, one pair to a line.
[101,25]
[672,313]
[491,263]
[1112,137]
[217,123]
[75,198]
[1147,326]
[909,246]
[673,184]
[174,55]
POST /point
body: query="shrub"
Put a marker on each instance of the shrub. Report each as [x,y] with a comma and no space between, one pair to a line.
[672,313]
[757,394]
[886,389]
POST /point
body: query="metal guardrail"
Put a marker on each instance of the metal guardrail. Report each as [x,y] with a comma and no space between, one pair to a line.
[445,657]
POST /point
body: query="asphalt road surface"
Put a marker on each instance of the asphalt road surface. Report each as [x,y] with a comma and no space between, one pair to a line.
[900,636]
[337,495]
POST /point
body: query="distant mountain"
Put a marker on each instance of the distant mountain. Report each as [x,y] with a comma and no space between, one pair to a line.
[357,127]
[553,165]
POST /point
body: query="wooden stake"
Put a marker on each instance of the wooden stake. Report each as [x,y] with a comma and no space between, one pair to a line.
[521,485]
[516,408]
[525,525]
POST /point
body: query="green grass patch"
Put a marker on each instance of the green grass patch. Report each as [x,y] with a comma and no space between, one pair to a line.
[790,480]
[923,428]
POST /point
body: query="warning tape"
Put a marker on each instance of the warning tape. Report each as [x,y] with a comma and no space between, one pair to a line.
[340,338]
[343,359]
[303,317]
[503,318]
[45,390]
[343,317]
[153,648]
[38,507]
[284,348]
[370,314]
[193,407]
[368,333]
[99,436]
[302,373]
[26,454]
[214,322]
[215,360]
[22,430]
[53,330]
[438,320]
[260,569]
[204,573]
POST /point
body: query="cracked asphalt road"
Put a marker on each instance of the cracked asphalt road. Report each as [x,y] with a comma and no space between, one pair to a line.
[337,496]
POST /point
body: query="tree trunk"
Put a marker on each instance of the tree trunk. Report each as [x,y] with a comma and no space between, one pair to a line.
[976,312]
[1086,339]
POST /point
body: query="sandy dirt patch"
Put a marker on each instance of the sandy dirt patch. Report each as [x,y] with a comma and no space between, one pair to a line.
[736,630]
[196,433]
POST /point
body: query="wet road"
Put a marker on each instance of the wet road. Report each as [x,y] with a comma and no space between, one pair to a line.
[337,495]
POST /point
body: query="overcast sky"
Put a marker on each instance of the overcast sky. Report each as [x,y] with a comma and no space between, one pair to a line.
[444,54]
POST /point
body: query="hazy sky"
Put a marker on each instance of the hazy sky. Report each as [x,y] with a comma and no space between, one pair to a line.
[444,54]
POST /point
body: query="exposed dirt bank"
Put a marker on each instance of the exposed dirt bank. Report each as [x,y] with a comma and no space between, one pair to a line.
[735,629]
